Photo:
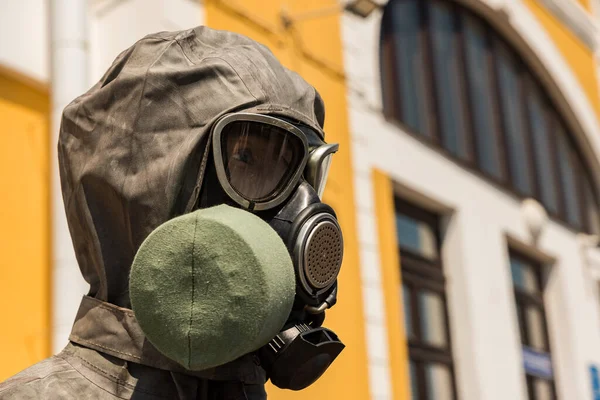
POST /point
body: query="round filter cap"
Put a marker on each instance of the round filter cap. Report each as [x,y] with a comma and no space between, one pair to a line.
[210,286]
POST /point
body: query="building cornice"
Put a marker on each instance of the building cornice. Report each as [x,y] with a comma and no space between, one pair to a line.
[579,21]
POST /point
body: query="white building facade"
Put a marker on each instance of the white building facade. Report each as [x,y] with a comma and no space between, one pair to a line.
[484,226]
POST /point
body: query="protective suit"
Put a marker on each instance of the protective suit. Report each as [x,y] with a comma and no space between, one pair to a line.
[135,152]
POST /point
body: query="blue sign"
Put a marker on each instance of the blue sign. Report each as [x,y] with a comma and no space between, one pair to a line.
[537,363]
[595,382]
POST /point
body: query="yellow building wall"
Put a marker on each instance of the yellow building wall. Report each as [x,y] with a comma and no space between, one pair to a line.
[24,225]
[313,48]
[577,55]
[586,4]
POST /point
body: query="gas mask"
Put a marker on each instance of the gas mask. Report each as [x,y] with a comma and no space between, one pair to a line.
[278,170]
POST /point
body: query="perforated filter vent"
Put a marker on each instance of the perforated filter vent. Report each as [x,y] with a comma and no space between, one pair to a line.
[323,255]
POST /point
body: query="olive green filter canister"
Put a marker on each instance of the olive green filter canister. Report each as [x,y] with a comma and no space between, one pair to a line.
[210,286]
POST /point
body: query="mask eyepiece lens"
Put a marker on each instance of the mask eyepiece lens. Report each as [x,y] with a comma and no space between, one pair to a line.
[259,159]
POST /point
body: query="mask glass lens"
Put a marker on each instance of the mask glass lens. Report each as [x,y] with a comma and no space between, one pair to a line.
[259,159]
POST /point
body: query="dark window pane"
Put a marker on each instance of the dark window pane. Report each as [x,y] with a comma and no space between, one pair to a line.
[542,149]
[433,319]
[568,178]
[529,302]
[514,122]
[388,68]
[424,303]
[480,90]
[388,74]
[536,328]
[406,297]
[521,320]
[447,72]
[530,388]
[524,276]
[591,207]
[439,382]
[416,236]
[414,383]
[409,59]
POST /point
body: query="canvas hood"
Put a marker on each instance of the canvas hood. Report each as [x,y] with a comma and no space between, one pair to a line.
[133,149]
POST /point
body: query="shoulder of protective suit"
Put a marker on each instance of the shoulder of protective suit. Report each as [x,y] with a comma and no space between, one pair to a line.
[48,379]
[77,373]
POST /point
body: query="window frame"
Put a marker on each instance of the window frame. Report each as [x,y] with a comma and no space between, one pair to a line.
[467,143]
[420,274]
[490,72]
[524,300]
[520,70]
[530,84]
[471,160]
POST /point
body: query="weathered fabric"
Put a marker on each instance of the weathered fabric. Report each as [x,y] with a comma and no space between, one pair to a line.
[131,148]
[132,152]
[100,325]
[78,373]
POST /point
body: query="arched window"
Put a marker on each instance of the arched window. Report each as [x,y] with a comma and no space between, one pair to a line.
[449,78]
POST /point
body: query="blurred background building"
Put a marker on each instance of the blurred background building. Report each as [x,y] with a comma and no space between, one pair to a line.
[467,182]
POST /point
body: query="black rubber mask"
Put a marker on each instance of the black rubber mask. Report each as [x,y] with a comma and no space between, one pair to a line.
[303,350]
